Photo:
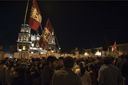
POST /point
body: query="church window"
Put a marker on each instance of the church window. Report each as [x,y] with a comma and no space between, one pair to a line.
[23,47]
[37,38]
[24,37]
[32,44]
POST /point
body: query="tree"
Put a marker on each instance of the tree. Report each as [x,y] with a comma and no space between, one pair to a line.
[93,50]
[105,44]
[72,51]
[81,50]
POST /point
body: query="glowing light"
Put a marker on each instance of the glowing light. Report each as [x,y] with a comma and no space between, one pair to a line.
[23,47]
[52,51]
[32,45]
[120,53]
[19,49]
[31,52]
[10,56]
[38,38]
[41,52]
[34,48]
[98,53]
[86,54]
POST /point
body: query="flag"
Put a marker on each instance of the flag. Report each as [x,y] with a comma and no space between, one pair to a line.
[114,48]
[46,35]
[42,43]
[49,26]
[35,16]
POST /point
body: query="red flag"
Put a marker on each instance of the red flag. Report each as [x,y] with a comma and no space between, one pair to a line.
[42,43]
[35,16]
[49,26]
[46,35]
[114,48]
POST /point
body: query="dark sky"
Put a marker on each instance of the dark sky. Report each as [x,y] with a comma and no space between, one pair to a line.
[76,23]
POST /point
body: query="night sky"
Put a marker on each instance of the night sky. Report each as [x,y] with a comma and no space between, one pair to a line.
[76,23]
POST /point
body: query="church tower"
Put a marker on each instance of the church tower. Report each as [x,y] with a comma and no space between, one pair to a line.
[26,38]
[31,42]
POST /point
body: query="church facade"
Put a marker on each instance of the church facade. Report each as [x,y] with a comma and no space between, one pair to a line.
[31,42]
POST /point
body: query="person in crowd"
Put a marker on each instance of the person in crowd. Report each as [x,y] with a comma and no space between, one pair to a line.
[60,63]
[3,69]
[18,77]
[9,73]
[66,76]
[77,64]
[120,61]
[124,70]
[48,70]
[36,72]
[34,76]
[43,63]
[83,74]
[112,59]
[92,73]
[98,63]
[18,63]
[115,60]
[109,74]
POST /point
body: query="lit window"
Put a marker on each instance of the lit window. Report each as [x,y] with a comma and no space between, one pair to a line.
[37,38]
[33,38]
[23,47]
[32,45]
[24,37]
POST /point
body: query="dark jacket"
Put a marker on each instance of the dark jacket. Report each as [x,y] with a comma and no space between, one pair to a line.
[65,77]
[18,81]
[46,75]
[109,75]
[125,69]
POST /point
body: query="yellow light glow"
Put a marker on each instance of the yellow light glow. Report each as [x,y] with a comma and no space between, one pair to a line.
[23,47]
[86,54]
[24,37]
[98,53]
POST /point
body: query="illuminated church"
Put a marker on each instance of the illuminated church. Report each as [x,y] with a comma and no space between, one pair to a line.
[30,41]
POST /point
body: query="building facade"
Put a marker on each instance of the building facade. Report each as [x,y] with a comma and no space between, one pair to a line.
[31,42]
[122,49]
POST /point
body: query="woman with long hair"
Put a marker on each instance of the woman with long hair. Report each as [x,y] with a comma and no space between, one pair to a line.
[83,73]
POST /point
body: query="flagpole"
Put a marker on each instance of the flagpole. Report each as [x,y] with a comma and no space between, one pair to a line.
[41,27]
[24,26]
[57,44]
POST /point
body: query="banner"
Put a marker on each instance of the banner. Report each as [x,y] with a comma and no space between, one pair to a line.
[35,16]
[46,35]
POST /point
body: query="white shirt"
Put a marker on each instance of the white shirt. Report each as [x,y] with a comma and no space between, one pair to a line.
[86,79]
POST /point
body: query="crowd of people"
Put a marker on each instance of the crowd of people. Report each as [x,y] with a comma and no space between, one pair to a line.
[65,71]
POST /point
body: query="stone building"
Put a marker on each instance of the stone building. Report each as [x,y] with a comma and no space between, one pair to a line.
[31,42]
